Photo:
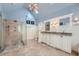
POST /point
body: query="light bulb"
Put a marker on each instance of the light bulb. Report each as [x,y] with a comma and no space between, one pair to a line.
[36,11]
[76,19]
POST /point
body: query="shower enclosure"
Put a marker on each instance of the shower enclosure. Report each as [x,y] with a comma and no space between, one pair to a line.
[1,34]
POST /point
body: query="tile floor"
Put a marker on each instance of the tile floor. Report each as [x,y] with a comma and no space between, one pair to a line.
[33,48]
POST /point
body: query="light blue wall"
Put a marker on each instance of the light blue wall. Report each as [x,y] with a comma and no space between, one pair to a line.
[48,11]
[70,9]
[16,12]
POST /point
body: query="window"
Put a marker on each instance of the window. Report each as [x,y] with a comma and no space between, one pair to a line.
[28,21]
[32,22]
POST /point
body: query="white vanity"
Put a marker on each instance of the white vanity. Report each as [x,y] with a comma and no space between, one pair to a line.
[58,40]
[58,33]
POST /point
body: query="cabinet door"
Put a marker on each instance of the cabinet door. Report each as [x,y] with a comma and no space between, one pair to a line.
[67,44]
[63,43]
[40,37]
[44,38]
[59,43]
[53,40]
[56,41]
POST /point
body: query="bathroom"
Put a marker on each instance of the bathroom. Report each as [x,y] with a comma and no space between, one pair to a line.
[24,25]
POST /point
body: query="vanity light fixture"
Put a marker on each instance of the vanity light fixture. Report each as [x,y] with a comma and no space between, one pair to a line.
[55,24]
[76,19]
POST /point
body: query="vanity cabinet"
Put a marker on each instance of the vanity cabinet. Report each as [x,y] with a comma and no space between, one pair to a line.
[57,40]
[59,34]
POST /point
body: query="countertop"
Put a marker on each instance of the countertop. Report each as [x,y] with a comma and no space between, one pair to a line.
[57,33]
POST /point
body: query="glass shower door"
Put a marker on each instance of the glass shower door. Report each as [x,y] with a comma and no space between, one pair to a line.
[1,35]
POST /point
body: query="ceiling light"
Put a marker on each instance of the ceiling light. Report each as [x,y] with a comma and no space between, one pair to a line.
[33,7]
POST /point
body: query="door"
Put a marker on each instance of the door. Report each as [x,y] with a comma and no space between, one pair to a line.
[31,31]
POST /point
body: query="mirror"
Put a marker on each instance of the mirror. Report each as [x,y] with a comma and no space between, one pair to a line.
[47,26]
[64,21]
